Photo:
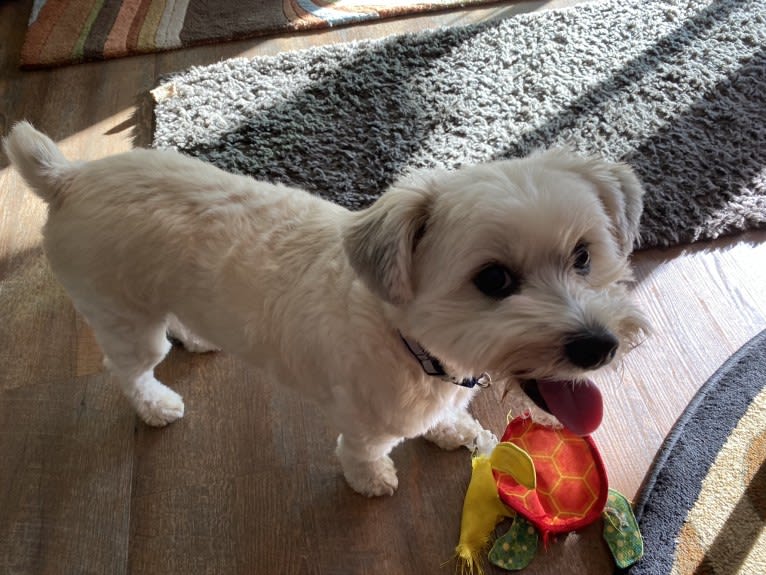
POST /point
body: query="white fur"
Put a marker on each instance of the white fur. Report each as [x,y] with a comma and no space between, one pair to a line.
[151,240]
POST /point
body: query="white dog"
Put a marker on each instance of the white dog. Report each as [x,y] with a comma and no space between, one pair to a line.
[515,268]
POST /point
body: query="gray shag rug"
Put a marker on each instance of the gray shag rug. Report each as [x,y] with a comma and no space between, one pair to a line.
[677,89]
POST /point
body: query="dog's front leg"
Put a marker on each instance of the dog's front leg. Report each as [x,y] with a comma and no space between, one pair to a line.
[366,465]
[458,428]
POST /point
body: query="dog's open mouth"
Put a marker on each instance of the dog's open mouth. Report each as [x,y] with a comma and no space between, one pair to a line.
[576,404]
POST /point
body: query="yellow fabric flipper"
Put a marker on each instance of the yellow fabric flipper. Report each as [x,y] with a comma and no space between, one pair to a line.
[513,460]
[482,508]
[482,511]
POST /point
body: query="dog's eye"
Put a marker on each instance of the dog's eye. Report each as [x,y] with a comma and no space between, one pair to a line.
[581,258]
[496,281]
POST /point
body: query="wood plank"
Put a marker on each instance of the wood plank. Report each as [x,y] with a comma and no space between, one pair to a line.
[700,315]
[66,436]
[65,441]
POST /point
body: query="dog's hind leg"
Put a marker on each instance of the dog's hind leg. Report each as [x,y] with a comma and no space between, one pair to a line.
[190,341]
[133,344]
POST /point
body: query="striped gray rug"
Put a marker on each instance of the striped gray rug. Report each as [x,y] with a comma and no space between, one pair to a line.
[703,505]
[675,88]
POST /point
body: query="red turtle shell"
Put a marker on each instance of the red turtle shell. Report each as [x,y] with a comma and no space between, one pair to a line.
[572,485]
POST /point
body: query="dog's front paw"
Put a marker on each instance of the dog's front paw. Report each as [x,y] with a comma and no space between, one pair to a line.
[158,405]
[177,332]
[484,443]
[372,478]
[199,346]
[457,429]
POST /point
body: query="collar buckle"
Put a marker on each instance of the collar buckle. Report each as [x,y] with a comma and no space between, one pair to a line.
[433,367]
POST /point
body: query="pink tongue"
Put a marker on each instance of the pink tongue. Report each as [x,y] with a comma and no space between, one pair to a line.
[577,405]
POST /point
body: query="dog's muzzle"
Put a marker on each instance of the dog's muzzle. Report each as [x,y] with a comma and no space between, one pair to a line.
[591,349]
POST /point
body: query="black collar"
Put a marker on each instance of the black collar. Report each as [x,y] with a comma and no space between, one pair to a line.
[433,366]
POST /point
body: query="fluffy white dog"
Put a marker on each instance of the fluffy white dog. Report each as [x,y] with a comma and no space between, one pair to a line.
[514,268]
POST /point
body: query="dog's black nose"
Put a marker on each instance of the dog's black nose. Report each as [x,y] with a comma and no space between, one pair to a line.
[591,349]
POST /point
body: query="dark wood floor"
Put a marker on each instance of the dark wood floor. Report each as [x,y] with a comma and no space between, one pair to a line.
[247,482]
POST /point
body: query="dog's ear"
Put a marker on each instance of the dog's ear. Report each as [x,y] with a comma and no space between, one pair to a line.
[622,195]
[619,190]
[380,240]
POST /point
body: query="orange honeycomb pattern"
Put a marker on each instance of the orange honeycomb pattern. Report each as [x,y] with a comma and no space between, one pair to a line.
[571,481]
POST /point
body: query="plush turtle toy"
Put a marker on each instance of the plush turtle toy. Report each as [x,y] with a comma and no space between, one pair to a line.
[549,481]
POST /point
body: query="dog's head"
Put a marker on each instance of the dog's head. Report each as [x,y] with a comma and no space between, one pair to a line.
[517,268]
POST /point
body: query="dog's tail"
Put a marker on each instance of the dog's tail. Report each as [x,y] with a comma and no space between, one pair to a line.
[39,161]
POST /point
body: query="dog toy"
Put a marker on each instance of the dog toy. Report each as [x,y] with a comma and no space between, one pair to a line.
[548,482]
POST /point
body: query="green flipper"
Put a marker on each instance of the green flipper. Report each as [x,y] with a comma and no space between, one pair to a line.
[621,530]
[516,549]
